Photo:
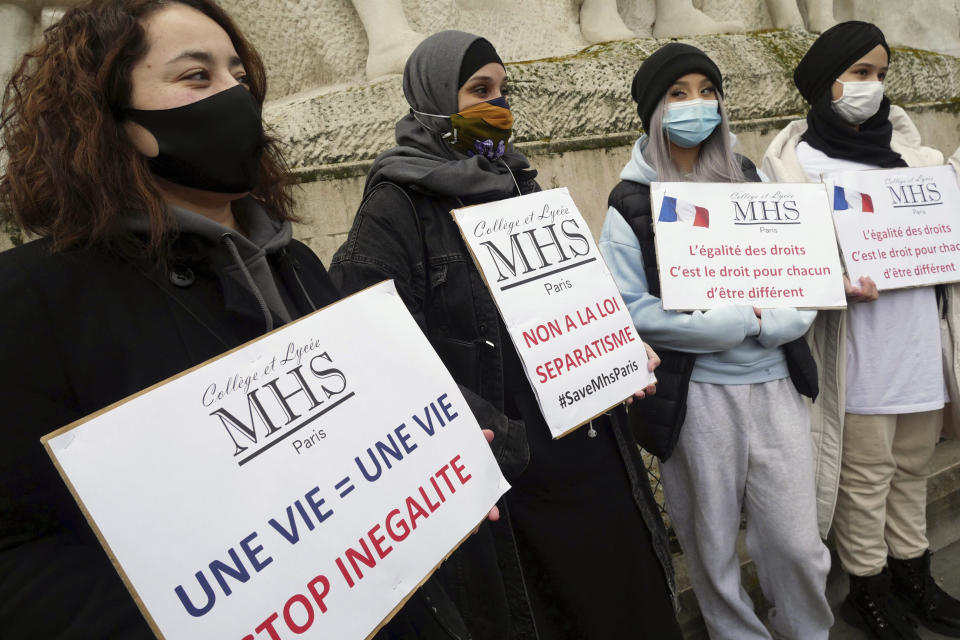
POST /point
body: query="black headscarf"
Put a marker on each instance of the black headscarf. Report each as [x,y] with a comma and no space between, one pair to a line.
[422,158]
[838,48]
[478,54]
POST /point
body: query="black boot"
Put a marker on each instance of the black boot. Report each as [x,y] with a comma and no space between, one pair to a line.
[872,607]
[933,607]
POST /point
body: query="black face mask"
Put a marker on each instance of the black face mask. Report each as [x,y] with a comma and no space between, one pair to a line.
[213,144]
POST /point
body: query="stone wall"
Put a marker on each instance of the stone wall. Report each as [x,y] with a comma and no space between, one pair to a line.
[589,173]
[576,121]
[330,46]
[586,95]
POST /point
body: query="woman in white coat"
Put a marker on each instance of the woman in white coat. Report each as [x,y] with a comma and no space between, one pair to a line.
[883,383]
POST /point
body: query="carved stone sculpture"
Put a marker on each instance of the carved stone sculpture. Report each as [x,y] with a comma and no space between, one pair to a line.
[325,45]
[389,36]
[819,15]
[925,24]
[786,13]
[600,21]
[681,18]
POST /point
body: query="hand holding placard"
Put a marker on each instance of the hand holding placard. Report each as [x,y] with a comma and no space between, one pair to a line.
[866,292]
[653,361]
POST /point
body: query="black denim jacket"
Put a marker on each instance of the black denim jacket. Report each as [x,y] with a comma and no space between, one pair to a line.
[411,237]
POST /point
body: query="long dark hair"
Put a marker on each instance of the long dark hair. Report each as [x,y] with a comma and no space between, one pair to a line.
[71,174]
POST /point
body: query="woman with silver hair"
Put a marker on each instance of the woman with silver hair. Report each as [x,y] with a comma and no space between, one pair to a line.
[731,377]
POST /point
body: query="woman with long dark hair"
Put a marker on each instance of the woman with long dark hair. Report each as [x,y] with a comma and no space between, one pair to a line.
[580,551]
[134,148]
[731,383]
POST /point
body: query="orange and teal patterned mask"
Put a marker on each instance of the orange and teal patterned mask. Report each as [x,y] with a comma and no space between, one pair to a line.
[483,129]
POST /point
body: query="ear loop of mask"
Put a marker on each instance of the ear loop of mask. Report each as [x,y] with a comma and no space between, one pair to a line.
[454,141]
[515,183]
[444,136]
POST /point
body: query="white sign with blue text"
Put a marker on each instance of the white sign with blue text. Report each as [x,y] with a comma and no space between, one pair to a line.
[758,244]
[299,486]
[900,227]
[561,307]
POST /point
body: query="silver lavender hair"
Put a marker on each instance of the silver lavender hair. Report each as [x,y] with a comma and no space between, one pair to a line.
[716,162]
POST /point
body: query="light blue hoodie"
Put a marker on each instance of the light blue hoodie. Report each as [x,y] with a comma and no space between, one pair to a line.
[733,347]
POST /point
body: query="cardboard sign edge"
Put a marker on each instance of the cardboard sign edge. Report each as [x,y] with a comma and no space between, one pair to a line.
[476,263]
[843,259]
[836,239]
[406,598]
[45,440]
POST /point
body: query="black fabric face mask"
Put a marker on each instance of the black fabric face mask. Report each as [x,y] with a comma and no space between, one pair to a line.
[213,144]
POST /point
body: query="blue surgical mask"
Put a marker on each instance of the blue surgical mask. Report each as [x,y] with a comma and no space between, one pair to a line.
[690,122]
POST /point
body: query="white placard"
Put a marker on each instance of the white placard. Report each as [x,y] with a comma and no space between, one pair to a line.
[561,307]
[301,485]
[759,244]
[901,227]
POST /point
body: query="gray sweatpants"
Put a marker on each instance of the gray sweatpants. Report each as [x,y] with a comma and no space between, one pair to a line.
[748,447]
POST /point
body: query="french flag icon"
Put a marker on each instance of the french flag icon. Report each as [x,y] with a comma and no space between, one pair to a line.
[673,210]
[848,200]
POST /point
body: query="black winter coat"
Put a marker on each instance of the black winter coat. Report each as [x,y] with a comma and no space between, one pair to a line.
[81,330]
[411,237]
[656,420]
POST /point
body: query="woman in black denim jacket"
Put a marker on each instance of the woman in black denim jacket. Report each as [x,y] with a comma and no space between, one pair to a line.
[580,550]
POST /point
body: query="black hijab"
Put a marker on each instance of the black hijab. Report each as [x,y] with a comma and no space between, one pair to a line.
[423,159]
[829,56]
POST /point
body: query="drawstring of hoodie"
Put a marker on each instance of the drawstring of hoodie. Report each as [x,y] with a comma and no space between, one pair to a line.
[303,289]
[228,242]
